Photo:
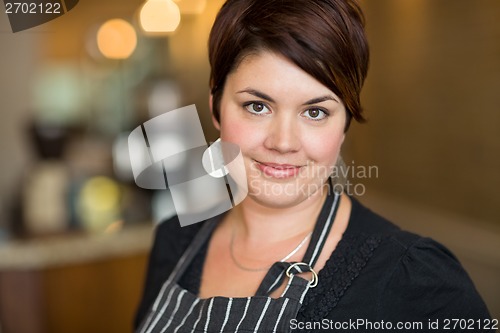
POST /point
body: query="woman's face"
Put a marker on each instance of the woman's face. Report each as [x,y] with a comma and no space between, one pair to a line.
[289,126]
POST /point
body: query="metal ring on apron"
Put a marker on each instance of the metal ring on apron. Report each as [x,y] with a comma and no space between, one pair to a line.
[314,281]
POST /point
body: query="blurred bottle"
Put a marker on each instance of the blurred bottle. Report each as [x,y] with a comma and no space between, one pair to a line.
[44,189]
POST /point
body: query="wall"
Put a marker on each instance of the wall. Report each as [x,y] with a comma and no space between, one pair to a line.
[432,100]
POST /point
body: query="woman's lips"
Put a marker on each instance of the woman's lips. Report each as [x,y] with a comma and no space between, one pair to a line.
[278,170]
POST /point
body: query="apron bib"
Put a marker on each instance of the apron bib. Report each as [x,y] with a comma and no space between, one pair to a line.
[180,311]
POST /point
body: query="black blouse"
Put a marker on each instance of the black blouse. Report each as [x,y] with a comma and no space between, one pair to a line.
[379,278]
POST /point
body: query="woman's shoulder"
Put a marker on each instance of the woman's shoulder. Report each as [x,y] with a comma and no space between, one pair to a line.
[381,272]
[171,229]
[365,224]
[406,257]
[392,242]
[170,242]
[425,280]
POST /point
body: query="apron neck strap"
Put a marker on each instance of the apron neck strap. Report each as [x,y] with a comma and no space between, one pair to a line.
[276,274]
[322,229]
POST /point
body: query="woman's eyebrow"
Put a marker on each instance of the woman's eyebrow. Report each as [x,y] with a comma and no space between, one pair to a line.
[321,99]
[269,99]
[257,94]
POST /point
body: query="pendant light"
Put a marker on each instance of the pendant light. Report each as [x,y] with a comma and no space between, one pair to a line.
[160,16]
[116,39]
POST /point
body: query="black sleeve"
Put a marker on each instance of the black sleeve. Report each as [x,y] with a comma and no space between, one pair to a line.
[429,285]
[170,242]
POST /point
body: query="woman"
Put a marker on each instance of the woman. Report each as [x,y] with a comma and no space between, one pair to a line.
[295,254]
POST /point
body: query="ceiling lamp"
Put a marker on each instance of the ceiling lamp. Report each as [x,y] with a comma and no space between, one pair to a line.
[160,16]
[116,39]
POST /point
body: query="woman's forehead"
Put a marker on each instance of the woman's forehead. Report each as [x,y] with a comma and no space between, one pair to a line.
[274,74]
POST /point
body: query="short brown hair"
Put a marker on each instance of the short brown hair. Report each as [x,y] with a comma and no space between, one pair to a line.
[325,38]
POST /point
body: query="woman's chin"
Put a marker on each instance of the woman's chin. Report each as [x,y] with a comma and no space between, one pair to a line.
[276,195]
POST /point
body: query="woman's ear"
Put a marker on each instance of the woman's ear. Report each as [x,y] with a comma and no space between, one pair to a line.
[211,105]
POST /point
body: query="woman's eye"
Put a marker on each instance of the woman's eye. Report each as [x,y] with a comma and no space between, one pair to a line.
[256,108]
[315,114]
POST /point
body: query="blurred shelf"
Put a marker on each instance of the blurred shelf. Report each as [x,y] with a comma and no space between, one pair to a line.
[76,283]
[72,249]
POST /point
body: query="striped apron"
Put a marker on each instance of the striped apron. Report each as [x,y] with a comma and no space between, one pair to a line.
[177,310]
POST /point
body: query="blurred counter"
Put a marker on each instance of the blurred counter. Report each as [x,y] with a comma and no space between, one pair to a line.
[73,249]
[76,283]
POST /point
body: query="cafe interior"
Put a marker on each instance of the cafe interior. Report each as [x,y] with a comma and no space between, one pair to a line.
[75,227]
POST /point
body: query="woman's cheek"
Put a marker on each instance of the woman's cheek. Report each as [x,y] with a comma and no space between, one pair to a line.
[324,149]
[240,133]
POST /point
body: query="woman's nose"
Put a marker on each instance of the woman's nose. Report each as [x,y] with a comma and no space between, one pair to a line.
[283,135]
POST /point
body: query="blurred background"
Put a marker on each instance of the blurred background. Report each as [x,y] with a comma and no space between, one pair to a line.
[75,230]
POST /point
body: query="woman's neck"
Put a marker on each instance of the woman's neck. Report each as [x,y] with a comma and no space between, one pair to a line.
[258,223]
